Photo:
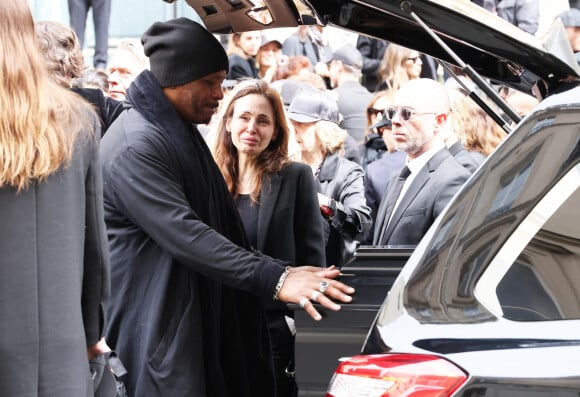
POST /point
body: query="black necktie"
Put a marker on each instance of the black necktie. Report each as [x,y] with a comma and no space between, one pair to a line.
[391,197]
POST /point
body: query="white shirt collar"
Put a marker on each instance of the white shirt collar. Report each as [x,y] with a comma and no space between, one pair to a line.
[415,165]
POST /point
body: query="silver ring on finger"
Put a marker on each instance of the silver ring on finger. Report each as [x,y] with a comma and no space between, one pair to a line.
[323,286]
[303,302]
[314,296]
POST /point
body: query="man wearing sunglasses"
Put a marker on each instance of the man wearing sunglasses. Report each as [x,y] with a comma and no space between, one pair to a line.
[431,175]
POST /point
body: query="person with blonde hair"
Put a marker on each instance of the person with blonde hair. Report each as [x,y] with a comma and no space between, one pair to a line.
[54,278]
[399,65]
[478,132]
[275,197]
[314,116]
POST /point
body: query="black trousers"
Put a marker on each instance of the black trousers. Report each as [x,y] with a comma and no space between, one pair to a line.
[282,342]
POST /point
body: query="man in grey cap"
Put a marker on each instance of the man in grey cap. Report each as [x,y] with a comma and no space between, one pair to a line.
[186,314]
[345,70]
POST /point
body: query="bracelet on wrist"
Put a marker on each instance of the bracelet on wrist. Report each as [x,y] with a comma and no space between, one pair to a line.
[280,283]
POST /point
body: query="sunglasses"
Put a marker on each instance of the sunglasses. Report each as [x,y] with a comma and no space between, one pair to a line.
[414,59]
[405,112]
[373,112]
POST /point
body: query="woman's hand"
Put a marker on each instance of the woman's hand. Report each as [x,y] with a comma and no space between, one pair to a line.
[307,284]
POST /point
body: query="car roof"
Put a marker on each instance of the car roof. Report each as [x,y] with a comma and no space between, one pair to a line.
[492,46]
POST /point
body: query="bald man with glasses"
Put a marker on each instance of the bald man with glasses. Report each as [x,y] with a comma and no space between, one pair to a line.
[431,176]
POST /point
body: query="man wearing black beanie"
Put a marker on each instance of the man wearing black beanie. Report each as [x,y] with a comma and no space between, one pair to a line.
[186,314]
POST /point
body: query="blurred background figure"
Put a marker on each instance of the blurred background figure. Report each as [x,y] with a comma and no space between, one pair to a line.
[295,65]
[92,78]
[242,50]
[521,103]
[101,9]
[54,277]
[450,134]
[477,131]
[571,21]
[374,145]
[372,51]
[61,50]
[399,65]
[345,73]
[315,117]
[126,63]
[311,42]
[269,58]
[524,14]
[276,199]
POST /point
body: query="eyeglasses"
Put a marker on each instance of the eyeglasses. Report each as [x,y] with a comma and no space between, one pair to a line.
[406,113]
[414,59]
[374,112]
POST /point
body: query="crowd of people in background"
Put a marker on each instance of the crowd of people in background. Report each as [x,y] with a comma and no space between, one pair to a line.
[215,190]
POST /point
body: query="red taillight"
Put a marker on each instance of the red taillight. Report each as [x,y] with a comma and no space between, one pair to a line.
[391,375]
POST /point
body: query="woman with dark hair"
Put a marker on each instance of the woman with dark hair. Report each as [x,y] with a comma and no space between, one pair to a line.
[54,275]
[276,199]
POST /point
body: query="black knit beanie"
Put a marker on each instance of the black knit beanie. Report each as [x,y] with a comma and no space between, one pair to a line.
[181,50]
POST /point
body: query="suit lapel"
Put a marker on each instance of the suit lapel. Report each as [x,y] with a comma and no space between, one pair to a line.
[416,185]
[271,184]
[382,212]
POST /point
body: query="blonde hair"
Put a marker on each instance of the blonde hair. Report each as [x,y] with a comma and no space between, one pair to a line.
[474,127]
[331,136]
[391,70]
[272,159]
[40,119]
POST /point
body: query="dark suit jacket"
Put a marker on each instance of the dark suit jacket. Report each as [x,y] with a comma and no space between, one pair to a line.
[471,161]
[289,224]
[430,191]
[241,68]
[293,46]
[289,228]
[353,99]
[377,176]
[372,51]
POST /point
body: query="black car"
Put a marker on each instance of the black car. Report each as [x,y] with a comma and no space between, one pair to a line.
[488,304]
